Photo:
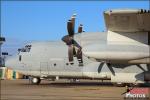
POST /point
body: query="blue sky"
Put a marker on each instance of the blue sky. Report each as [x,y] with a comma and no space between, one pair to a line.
[24,21]
[46,20]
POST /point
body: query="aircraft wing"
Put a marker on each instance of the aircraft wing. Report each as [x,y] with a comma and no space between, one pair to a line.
[127,20]
[128,38]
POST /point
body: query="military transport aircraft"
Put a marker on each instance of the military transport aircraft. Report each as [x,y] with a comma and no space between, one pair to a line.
[121,54]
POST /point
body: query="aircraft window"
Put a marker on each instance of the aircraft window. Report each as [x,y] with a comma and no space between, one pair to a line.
[25,49]
[67,64]
[20,57]
[54,64]
[19,50]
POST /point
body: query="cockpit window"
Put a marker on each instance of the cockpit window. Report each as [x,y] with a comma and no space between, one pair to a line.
[20,57]
[25,49]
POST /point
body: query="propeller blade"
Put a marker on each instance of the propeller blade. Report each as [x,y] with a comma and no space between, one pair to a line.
[74,52]
[148,67]
[80,28]
[79,51]
[73,23]
[76,44]
[100,67]
[72,44]
[139,66]
[68,40]
[108,65]
[70,53]
[70,28]
[79,56]
[110,68]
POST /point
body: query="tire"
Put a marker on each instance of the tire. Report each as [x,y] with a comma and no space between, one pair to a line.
[35,80]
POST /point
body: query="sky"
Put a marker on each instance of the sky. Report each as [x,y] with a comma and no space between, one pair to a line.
[46,20]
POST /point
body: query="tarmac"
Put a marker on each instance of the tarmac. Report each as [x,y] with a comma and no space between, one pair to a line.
[60,90]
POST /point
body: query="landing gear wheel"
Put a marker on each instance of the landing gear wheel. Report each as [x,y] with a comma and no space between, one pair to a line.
[35,80]
[74,80]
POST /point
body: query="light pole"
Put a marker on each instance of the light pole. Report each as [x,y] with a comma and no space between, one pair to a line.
[4,54]
[2,39]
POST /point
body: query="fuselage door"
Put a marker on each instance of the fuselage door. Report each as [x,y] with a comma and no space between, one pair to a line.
[44,68]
